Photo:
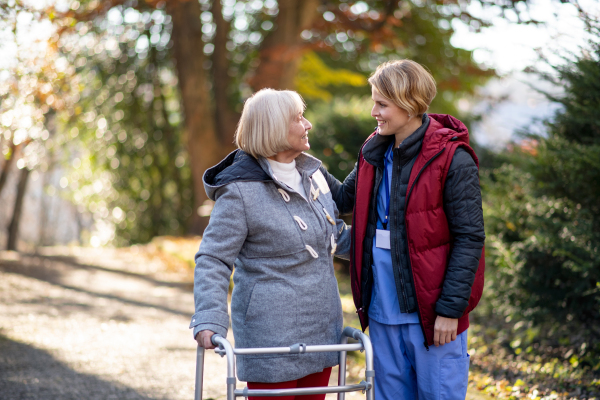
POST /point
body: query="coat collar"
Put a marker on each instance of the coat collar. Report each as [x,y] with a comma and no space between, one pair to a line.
[240,166]
[305,163]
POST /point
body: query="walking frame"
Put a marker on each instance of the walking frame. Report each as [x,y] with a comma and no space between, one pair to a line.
[225,349]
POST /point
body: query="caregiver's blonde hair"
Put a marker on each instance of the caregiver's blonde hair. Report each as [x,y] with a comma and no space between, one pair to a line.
[406,84]
[265,121]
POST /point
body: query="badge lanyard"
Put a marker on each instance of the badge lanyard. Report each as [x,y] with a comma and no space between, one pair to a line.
[387,195]
[382,237]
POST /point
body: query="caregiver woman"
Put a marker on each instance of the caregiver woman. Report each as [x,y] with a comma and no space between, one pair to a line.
[274,213]
[417,267]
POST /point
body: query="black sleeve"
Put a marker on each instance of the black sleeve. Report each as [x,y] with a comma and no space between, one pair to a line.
[342,193]
[462,204]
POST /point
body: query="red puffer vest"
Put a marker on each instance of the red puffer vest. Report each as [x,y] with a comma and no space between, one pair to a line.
[428,234]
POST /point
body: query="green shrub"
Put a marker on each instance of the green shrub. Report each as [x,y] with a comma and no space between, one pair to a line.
[339,129]
[542,214]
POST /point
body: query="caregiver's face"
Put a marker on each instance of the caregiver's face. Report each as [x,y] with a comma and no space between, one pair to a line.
[298,133]
[391,119]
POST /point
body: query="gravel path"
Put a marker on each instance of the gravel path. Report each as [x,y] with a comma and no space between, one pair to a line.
[82,323]
[97,324]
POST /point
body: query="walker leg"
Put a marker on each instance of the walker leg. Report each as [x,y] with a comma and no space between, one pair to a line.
[199,372]
[342,369]
[369,372]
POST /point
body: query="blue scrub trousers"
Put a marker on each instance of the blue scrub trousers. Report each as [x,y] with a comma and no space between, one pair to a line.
[405,370]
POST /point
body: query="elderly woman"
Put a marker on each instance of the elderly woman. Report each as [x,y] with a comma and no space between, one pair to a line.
[273,213]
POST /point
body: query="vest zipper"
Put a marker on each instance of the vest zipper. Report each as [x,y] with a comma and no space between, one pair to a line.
[402,284]
[407,241]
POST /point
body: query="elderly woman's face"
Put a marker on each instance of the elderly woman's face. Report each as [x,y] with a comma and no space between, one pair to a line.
[298,133]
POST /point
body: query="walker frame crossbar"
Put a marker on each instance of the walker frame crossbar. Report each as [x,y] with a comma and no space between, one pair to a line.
[225,349]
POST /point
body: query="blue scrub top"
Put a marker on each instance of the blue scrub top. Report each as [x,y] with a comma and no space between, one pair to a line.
[384,307]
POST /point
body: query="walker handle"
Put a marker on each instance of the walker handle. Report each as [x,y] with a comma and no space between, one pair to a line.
[200,366]
[352,333]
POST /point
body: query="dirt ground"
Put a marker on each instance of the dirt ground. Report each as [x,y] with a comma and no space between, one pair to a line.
[82,323]
[99,324]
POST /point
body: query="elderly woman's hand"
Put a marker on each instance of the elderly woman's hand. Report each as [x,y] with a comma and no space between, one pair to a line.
[203,339]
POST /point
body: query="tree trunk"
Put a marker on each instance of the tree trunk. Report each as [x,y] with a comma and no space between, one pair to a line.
[209,131]
[7,165]
[46,202]
[46,207]
[13,228]
[204,147]
[225,116]
[281,50]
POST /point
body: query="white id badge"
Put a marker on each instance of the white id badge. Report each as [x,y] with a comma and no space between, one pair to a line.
[382,239]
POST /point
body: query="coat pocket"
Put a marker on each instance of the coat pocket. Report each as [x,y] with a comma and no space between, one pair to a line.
[271,317]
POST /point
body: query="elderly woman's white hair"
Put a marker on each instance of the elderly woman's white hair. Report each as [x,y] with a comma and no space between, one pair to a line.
[264,124]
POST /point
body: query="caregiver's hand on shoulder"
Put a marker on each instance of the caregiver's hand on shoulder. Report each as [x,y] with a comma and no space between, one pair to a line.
[444,330]
[203,339]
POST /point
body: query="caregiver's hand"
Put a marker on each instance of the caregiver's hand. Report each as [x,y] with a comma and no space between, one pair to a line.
[203,339]
[444,330]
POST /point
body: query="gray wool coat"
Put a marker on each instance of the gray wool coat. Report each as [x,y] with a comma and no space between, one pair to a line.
[282,244]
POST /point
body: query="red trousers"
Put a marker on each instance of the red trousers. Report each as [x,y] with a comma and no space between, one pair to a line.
[312,380]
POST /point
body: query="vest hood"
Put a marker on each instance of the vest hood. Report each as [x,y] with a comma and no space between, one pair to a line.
[443,128]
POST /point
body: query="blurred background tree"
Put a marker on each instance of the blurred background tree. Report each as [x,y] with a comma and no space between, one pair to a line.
[162,84]
[543,218]
[129,101]
[33,89]
[417,30]
[131,170]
